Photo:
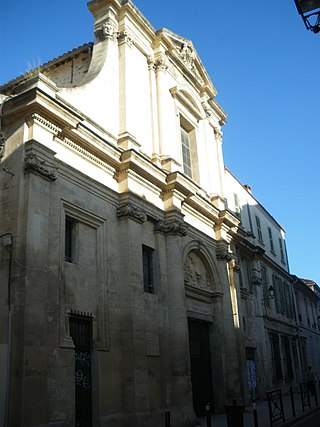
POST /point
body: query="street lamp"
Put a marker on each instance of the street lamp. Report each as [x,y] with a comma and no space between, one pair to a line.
[271,293]
[310,13]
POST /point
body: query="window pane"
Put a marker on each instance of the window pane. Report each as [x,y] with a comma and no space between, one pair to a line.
[186,154]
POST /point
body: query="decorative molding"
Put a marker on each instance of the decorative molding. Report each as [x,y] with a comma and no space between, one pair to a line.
[256,276]
[85,153]
[218,134]
[131,211]
[128,142]
[161,64]
[151,63]
[222,253]
[196,274]
[107,31]
[171,227]
[33,163]
[124,37]
[2,143]
[188,57]
[207,109]
[35,117]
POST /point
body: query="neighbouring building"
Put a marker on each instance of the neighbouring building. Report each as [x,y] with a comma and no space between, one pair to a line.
[138,275]
[307,297]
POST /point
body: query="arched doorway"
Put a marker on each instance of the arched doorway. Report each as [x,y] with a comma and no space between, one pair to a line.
[199,303]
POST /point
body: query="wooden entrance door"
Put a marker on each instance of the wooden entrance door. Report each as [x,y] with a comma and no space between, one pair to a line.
[201,375]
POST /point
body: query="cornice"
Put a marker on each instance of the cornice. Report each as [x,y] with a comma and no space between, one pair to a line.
[37,118]
[184,94]
[266,260]
[203,207]
[204,295]
[67,125]
[228,218]
[85,153]
[131,160]
[178,181]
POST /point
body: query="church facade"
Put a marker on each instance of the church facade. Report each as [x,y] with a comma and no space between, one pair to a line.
[140,276]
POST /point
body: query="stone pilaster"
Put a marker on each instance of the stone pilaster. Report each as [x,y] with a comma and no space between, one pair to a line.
[30,366]
[154,111]
[129,299]
[178,381]
[232,348]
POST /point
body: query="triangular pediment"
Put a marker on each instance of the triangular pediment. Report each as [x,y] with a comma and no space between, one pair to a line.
[184,53]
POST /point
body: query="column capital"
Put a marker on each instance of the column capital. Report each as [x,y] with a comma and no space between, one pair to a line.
[131,211]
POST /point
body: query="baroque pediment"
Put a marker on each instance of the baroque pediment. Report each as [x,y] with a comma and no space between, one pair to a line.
[185,54]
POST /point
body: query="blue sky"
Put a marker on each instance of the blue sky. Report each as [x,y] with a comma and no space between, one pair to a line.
[265,66]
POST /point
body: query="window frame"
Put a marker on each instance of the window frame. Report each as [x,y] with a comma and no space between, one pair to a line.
[186,151]
[237,205]
[281,250]
[271,240]
[259,229]
[148,269]
[276,357]
[70,239]
[188,141]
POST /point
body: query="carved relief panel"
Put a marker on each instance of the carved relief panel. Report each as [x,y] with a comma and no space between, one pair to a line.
[199,287]
[197,274]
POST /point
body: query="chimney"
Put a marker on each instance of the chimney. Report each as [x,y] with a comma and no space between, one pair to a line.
[248,188]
